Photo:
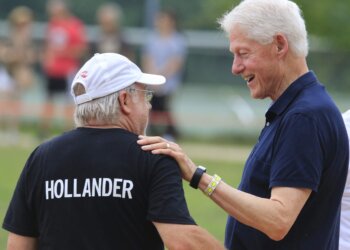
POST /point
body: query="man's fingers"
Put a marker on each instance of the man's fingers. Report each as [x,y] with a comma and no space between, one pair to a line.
[144,140]
[147,147]
[156,142]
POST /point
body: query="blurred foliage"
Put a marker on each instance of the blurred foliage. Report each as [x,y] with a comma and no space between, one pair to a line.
[327,19]
[200,14]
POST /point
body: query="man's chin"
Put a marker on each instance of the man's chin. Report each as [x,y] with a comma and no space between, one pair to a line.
[256,94]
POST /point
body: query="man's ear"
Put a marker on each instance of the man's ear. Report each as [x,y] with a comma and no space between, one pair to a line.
[124,102]
[282,45]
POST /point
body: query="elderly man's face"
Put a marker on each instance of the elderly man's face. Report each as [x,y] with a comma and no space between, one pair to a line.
[141,107]
[257,64]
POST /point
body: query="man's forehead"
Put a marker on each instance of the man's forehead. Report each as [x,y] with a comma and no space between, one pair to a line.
[240,40]
[237,40]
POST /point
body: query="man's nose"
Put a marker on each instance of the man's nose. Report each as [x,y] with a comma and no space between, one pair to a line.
[237,66]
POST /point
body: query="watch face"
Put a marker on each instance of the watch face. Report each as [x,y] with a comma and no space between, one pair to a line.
[203,168]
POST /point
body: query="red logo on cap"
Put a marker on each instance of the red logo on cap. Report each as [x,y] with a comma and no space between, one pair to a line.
[84,74]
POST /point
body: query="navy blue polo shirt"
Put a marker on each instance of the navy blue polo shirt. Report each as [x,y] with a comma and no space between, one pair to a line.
[303,145]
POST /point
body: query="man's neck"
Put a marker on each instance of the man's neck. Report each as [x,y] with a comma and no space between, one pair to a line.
[101,126]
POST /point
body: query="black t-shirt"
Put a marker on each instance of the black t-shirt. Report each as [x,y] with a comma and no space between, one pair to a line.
[96,189]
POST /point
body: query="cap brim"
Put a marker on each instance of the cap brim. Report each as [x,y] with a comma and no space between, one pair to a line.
[151,79]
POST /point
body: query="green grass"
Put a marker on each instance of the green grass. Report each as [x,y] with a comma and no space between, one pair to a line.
[205,212]
[12,160]
[202,209]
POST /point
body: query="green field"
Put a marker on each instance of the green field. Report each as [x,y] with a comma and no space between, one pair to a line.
[12,160]
[216,158]
[206,213]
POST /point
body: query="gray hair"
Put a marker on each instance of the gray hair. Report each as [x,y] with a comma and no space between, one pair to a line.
[101,111]
[263,19]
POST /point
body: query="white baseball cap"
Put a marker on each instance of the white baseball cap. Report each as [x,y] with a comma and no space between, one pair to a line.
[108,73]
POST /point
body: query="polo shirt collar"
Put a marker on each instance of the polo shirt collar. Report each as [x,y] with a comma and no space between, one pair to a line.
[289,94]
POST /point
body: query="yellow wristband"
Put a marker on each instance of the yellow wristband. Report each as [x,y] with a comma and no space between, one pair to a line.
[212,185]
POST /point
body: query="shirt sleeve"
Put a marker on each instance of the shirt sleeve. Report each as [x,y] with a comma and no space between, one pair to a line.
[180,49]
[167,202]
[298,157]
[20,217]
[147,46]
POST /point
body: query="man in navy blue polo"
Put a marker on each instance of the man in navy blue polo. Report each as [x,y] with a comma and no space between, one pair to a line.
[293,180]
[302,148]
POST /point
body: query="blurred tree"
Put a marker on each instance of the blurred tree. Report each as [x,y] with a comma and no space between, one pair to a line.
[327,19]
[133,10]
[211,12]
[199,14]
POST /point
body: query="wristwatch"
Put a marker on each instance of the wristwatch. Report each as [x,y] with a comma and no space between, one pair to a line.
[200,170]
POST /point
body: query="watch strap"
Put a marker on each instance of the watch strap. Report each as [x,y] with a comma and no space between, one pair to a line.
[200,170]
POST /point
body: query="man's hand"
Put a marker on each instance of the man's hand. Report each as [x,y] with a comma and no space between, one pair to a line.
[158,145]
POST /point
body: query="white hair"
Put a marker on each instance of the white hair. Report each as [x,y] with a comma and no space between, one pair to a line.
[261,20]
[102,111]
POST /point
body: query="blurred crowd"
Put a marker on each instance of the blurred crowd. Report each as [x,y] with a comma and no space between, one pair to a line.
[51,63]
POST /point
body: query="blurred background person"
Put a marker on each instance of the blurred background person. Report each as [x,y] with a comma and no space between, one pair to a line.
[344,235]
[19,53]
[64,48]
[6,85]
[165,53]
[18,56]
[110,37]
[6,93]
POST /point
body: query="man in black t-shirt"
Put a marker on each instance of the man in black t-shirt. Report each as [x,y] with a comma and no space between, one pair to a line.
[93,187]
